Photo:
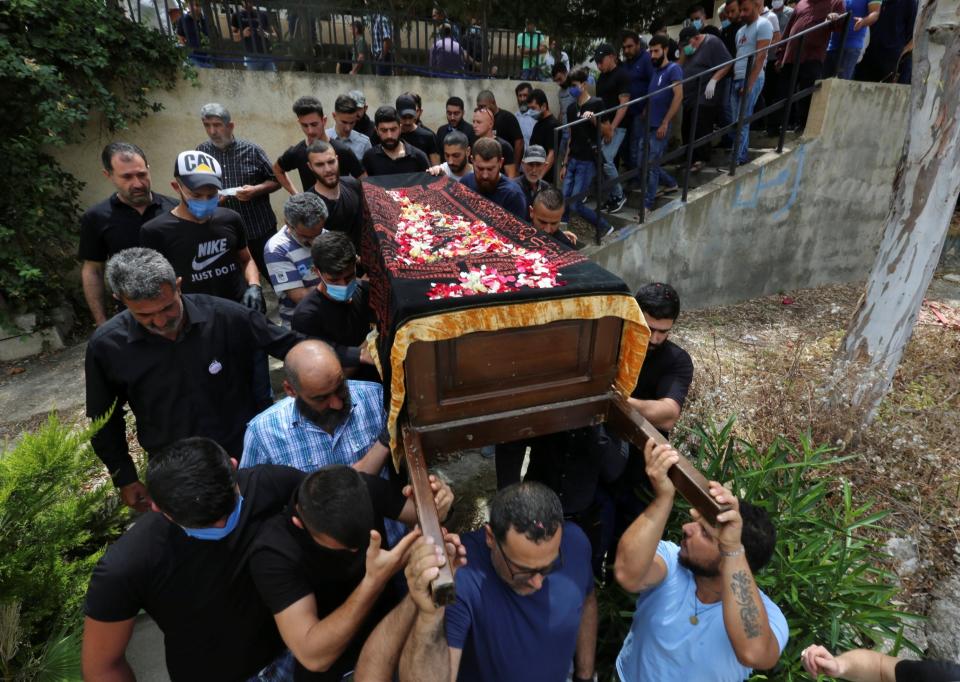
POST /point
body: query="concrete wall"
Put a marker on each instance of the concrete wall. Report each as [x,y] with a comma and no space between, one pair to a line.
[809,216]
[260,105]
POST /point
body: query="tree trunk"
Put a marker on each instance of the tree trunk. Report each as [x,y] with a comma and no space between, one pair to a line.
[924,193]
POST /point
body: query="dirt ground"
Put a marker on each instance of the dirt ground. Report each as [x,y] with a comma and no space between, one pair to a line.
[768,361]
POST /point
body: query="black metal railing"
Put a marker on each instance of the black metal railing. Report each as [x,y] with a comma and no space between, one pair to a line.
[304,35]
[791,96]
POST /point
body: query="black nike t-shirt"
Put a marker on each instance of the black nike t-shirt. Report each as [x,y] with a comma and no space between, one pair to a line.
[296,158]
[287,565]
[345,214]
[199,592]
[205,255]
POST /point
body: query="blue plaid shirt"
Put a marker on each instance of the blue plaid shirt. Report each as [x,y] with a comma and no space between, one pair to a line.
[281,435]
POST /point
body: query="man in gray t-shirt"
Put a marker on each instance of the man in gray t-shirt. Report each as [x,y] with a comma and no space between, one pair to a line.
[755,35]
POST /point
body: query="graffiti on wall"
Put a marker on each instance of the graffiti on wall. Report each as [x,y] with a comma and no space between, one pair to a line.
[769,182]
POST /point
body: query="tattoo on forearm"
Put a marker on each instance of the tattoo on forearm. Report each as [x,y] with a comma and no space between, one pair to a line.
[749,613]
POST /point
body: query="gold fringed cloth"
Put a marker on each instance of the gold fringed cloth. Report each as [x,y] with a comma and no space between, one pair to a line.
[633,338]
[444,262]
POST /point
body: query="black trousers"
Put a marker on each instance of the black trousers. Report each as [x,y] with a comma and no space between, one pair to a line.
[706,117]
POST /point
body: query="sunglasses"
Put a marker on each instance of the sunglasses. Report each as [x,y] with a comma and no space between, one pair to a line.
[523,574]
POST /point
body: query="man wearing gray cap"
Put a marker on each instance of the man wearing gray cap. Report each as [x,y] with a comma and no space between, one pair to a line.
[534,165]
[364,124]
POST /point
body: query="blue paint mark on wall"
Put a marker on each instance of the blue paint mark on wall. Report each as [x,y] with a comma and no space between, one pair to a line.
[792,174]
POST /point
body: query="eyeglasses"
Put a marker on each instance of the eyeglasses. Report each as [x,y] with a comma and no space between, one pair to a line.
[524,574]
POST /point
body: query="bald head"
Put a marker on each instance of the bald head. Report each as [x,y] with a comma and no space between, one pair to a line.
[311,367]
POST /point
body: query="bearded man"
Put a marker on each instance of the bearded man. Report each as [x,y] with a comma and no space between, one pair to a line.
[325,419]
[488,181]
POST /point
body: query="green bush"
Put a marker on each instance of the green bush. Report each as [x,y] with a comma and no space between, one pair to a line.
[826,574]
[60,62]
[57,513]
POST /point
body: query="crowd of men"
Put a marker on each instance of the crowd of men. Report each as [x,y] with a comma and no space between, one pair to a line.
[275,540]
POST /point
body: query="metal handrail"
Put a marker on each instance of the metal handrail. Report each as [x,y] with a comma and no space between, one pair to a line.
[714,69]
[687,149]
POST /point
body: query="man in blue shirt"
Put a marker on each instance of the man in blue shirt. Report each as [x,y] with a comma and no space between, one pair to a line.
[841,63]
[525,604]
[324,420]
[699,610]
[664,105]
[487,180]
[636,62]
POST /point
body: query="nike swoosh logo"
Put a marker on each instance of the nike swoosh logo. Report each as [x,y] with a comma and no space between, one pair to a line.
[206,261]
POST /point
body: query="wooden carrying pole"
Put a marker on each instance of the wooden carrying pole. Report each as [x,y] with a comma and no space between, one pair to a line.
[625,421]
[442,587]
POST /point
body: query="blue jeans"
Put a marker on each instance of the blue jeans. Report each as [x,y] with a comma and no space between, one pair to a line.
[744,140]
[655,172]
[577,180]
[610,150]
[842,65]
[531,74]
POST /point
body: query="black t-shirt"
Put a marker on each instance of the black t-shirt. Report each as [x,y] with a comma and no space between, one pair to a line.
[507,149]
[543,132]
[927,671]
[666,373]
[287,565]
[112,226]
[376,161]
[445,130]
[507,126]
[203,254]
[365,126]
[609,88]
[423,139]
[296,157]
[583,137]
[199,592]
[338,323]
[345,213]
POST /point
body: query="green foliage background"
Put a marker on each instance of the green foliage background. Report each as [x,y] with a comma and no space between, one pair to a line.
[826,575]
[60,62]
[57,514]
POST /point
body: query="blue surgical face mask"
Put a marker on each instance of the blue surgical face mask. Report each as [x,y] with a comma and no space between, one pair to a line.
[697,23]
[689,50]
[575,91]
[203,208]
[535,115]
[218,533]
[724,23]
[342,292]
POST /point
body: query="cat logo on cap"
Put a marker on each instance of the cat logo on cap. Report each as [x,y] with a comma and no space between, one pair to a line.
[197,169]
